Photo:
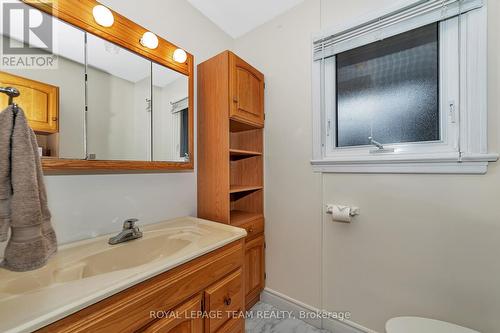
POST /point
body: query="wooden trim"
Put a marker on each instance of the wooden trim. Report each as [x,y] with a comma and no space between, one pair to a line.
[55,166]
[127,34]
[123,32]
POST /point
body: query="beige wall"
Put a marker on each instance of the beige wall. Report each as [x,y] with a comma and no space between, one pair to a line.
[424,244]
[281,50]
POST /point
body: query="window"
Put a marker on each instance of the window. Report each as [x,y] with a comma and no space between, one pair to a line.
[389,90]
[404,92]
[184,139]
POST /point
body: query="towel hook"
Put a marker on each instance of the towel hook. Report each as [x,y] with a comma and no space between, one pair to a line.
[11,92]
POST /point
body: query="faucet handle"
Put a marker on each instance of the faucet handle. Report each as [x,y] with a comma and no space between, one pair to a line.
[130,223]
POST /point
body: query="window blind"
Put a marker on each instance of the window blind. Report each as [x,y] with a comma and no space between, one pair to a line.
[180,105]
[410,17]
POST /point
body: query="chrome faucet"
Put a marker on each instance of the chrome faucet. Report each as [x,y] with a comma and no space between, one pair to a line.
[129,232]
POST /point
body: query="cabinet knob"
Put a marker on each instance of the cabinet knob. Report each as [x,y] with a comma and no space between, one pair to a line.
[227,300]
[54,118]
[250,230]
[235,99]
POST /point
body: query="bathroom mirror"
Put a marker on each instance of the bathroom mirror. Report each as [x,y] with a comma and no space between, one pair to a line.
[110,103]
[52,94]
[118,103]
[137,110]
[170,115]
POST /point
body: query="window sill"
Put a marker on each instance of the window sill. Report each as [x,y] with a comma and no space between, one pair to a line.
[423,164]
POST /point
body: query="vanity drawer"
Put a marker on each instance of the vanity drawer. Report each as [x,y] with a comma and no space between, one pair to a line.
[223,299]
[233,326]
[184,319]
[254,227]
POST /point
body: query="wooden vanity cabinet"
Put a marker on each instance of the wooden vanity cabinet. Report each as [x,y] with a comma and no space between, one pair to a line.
[231,155]
[254,265]
[196,297]
[184,322]
[233,326]
[225,297]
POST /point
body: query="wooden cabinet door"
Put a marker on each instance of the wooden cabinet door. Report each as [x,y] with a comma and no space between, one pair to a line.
[223,300]
[254,267]
[246,92]
[186,318]
[39,101]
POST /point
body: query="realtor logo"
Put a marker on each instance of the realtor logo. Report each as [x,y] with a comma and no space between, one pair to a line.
[28,37]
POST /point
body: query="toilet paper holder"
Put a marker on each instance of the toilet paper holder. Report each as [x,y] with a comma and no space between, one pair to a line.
[353,210]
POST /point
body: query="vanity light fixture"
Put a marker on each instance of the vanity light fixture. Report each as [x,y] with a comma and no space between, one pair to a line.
[103,16]
[149,40]
[180,55]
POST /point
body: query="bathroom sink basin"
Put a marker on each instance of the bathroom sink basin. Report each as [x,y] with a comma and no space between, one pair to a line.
[109,259]
[85,272]
[135,254]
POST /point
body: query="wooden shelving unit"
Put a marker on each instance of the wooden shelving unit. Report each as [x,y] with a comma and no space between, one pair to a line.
[230,155]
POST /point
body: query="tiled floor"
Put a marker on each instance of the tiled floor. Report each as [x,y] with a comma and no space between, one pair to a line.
[265,318]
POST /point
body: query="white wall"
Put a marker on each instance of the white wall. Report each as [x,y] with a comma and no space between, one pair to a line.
[88,205]
[424,245]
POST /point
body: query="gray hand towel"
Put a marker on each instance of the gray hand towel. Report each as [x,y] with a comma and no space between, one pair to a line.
[33,239]
[6,119]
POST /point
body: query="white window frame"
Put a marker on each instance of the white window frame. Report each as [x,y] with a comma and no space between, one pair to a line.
[463,96]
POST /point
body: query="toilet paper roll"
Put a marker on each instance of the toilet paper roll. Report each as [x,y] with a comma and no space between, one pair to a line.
[341,213]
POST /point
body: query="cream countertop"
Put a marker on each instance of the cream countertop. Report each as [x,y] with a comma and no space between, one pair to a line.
[85,272]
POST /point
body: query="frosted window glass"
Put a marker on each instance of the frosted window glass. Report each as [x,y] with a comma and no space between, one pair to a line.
[389,90]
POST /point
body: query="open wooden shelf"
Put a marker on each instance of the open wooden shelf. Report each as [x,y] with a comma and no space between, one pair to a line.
[239,126]
[244,188]
[239,217]
[238,154]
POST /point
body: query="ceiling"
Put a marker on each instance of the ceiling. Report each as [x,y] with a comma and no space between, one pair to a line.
[237,17]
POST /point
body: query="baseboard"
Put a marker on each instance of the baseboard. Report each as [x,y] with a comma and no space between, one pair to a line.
[286,303]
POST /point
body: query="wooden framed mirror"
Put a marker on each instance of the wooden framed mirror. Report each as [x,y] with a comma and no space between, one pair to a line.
[119,100]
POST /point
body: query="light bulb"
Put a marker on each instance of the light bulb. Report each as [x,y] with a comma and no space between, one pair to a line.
[149,40]
[103,16]
[180,55]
